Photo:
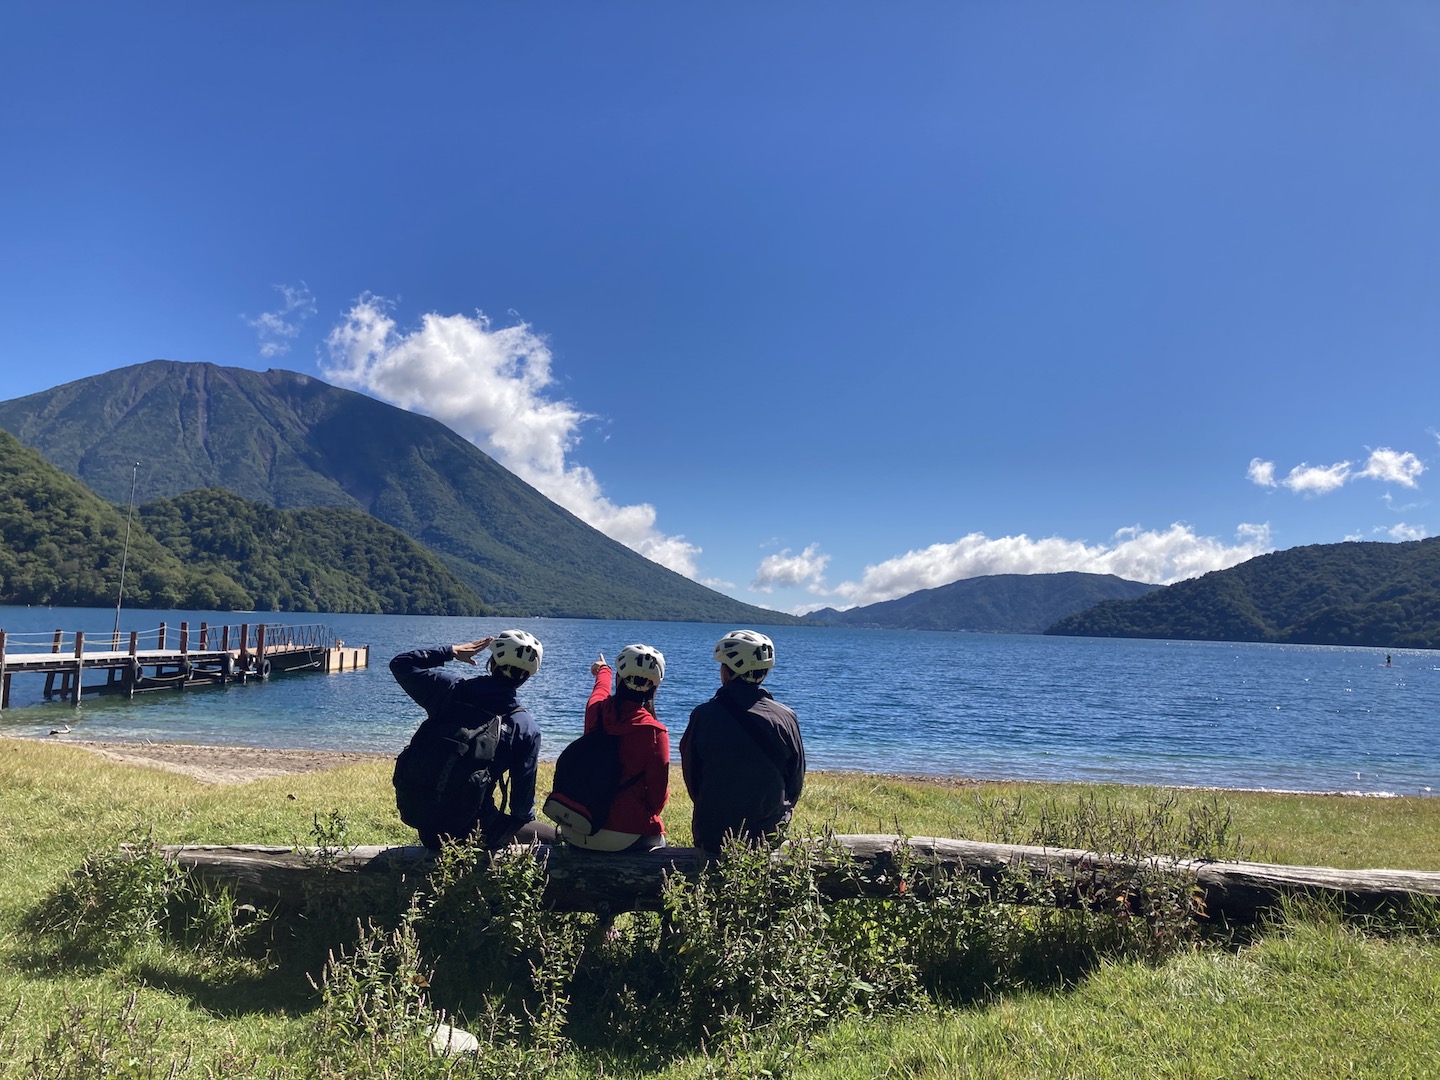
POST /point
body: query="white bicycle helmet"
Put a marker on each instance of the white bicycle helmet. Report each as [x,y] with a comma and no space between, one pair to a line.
[640,667]
[516,653]
[746,653]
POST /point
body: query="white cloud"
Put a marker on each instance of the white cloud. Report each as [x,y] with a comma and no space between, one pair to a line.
[489,385]
[1386,465]
[1393,467]
[1407,532]
[276,330]
[1261,473]
[783,569]
[1307,479]
[1136,554]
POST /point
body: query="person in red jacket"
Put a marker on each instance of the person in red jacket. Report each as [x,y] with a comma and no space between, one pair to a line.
[633,823]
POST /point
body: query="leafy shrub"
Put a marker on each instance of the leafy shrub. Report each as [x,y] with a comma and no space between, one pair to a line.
[117,900]
[753,944]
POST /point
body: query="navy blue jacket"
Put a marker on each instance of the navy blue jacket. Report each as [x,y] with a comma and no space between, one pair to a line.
[442,694]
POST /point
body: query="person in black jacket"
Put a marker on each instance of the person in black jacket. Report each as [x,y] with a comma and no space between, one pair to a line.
[741,754]
[449,700]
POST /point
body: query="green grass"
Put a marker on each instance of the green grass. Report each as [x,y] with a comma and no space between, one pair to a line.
[1311,994]
[1311,999]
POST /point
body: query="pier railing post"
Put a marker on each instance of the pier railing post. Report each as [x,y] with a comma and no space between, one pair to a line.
[4,678]
[79,665]
[132,676]
[161,644]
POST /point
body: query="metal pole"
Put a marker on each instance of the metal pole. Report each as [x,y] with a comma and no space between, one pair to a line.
[125,555]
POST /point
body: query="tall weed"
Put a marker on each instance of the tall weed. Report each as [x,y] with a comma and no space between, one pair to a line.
[753,945]
[119,899]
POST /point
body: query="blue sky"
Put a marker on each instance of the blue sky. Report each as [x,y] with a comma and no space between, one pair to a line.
[817,303]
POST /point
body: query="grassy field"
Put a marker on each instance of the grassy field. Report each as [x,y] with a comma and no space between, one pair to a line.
[1311,993]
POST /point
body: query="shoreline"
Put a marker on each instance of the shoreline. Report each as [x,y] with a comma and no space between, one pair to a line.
[217,764]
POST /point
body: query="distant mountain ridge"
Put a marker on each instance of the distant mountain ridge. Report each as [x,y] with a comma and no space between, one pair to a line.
[998,603]
[292,441]
[1384,595]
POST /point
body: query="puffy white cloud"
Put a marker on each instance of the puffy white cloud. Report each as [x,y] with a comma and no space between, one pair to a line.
[784,569]
[277,329]
[1393,467]
[1386,465]
[1261,473]
[1407,532]
[1136,554]
[1307,479]
[489,384]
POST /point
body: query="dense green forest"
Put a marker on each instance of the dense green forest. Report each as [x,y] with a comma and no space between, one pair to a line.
[293,442]
[307,560]
[997,603]
[60,543]
[1377,594]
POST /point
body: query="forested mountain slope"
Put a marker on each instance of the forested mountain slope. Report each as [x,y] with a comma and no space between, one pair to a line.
[997,603]
[60,543]
[1377,594]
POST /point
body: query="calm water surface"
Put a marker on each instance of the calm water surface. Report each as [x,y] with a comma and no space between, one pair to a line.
[989,706]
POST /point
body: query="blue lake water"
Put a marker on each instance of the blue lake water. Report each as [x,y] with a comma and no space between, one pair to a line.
[985,706]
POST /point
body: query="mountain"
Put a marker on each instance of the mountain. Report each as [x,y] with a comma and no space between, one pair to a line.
[1377,594]
[1000,603]
[291,441]
[327,559]
[60,543]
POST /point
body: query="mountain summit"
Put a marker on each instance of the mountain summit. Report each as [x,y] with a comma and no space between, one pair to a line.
[292,441]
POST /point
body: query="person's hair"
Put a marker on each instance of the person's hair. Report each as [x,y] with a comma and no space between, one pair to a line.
[645,696]
[511,674]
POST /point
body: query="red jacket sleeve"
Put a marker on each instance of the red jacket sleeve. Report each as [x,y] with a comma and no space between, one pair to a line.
[657,771]
[595,707]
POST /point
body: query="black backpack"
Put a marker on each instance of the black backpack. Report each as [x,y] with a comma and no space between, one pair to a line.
[587,779]
[433,787]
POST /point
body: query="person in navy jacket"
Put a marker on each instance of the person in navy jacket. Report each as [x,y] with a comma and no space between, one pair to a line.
[514,657]
[741,754]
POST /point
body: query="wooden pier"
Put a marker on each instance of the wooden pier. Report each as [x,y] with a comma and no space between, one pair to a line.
[166,659]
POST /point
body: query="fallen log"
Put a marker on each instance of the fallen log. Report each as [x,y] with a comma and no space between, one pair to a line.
[579,880]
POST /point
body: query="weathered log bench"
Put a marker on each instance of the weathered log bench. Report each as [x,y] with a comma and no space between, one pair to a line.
[578,880]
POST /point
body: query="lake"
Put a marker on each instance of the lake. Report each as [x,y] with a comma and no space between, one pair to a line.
[984,706]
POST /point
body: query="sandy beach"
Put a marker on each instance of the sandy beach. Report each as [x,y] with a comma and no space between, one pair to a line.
[224,764]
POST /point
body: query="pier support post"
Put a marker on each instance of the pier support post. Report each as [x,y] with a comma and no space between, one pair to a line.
[79,666]
[184,654]
[133,670]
